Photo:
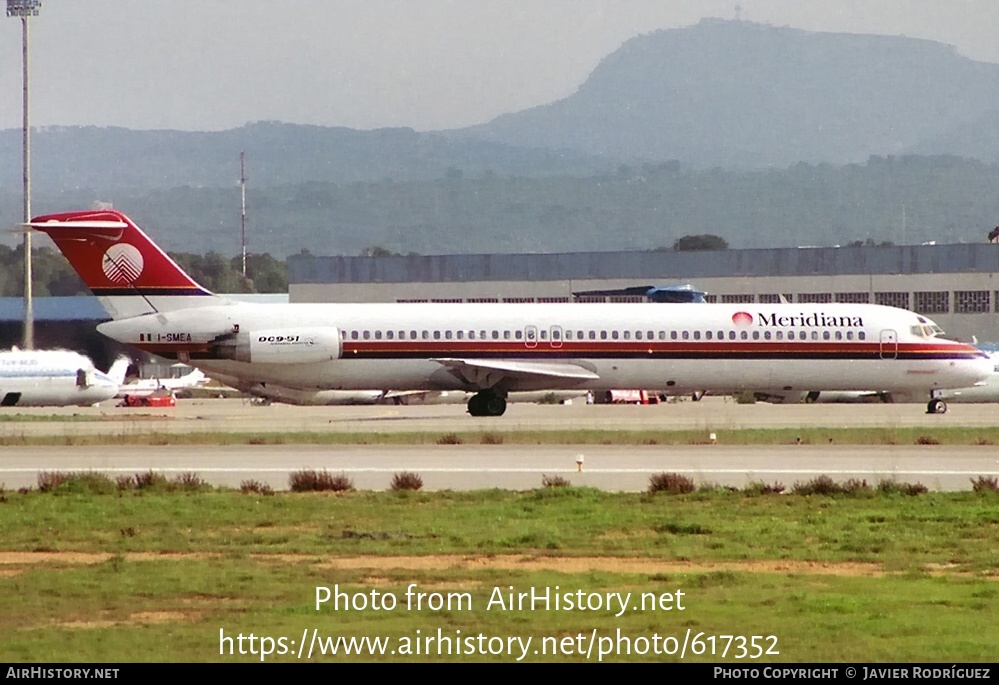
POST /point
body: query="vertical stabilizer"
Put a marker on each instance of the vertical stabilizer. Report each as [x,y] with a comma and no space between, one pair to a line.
[118,370]
[127,271]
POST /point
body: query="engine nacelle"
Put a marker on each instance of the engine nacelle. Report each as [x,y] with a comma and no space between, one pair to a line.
[283,346]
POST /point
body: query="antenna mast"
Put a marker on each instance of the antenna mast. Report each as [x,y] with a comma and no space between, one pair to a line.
[24,9]
[242,185]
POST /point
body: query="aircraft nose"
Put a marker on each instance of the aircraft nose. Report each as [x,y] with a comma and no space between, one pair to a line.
[975,370]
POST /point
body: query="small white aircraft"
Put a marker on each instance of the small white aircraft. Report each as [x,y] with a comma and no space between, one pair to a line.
[56,378]
[148,386]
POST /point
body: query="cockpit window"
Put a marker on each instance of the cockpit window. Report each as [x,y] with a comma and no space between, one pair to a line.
[926,329]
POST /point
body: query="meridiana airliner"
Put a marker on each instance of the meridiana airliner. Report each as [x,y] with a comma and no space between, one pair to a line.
[495,349]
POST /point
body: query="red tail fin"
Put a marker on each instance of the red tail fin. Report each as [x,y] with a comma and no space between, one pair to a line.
[113,256]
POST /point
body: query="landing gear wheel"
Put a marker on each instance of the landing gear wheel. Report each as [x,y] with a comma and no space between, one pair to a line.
[495,405]
[936,407]
[486,404]
[475,405]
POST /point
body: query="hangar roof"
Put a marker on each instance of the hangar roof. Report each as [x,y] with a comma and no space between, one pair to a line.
[658,265]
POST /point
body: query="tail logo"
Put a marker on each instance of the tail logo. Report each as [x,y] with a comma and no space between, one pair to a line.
[122,263]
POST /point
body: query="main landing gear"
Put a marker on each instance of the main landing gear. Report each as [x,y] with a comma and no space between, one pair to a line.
[936,406]
[487,403]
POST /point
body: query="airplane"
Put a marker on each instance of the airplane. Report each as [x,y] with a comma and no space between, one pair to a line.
[56,378]
[498,348]
[462,397]
[269,392]
[147,386]
[274,392]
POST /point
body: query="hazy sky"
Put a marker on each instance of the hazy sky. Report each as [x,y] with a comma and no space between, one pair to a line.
[426,64]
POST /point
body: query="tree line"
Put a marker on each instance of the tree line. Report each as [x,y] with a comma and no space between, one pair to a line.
[53,276]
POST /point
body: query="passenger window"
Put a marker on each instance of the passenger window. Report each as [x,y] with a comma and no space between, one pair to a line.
[790,335]
[672,335]
[815,335]
[378,335]
[731,335]
[697,335]
[861,336]
[447,335]
[437,335]
[495,335]
[707,335]
[839,335]
[849,335]
[593,335]
[603,335]
[779,335]
[685,335]
[744,335]
[471,335]
[366,335]
[650,336]
[353,335]
[638,335]
[766,335]
[756,335]
[825,335]
[460,335]
[426,335]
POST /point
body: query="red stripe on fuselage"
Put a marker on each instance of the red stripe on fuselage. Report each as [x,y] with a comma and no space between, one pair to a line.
[451,348]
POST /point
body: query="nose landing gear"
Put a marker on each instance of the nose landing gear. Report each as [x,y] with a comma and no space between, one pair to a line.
[936,406]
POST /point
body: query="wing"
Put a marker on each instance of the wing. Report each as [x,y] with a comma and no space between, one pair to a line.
[516,375]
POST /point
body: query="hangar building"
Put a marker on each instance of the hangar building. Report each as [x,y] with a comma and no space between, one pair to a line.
[955,285]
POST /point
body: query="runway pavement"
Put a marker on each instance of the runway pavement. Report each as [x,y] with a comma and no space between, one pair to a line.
[710,414]
[517,467]
[473,466]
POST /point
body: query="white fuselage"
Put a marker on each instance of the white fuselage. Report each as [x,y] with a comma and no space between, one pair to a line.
[51,378]
[518,347]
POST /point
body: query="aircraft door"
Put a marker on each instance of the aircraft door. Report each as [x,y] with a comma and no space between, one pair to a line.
[84,378]
[556,337]
[531,337]
[889,344]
